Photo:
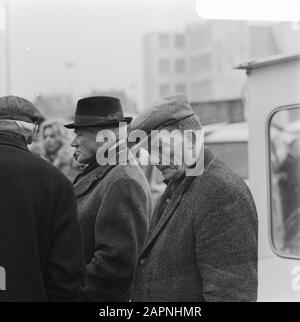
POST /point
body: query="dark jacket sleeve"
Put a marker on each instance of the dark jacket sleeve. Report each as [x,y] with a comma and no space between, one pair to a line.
[65,265]
[120,230]
[226,249]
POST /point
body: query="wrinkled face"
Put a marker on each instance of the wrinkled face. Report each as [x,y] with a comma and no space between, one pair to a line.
[170,171]
[85,145]
[52,142]
[170,158]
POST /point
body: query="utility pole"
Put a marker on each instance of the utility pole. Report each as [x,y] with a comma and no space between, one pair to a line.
[5,63]
[7,49]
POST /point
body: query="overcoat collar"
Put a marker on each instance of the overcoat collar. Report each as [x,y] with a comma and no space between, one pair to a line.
[13,139]
[173,204]
[86,182]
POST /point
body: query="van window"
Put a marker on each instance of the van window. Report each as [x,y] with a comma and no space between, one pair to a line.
[284,181]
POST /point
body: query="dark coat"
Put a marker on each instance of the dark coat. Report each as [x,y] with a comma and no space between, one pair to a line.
[204,247]
[40,242]
[114,204]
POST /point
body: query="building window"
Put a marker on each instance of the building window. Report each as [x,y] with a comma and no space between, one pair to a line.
[179,41]
[201,63]
[164,90]
[180,66]
[164,66]
[180,88]
[163,41]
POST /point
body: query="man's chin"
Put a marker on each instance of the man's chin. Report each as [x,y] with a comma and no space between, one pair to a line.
[50,150]
[169,173]
[81,159]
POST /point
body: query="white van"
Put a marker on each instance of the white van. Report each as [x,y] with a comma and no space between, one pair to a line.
[273,112]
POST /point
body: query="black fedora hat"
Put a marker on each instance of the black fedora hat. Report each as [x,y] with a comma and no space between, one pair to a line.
[98,111]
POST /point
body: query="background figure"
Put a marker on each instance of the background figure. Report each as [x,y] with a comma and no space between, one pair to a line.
[289,186]
[278,153]
[55,148]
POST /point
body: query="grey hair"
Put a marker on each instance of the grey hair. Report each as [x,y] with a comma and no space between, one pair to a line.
[26,129]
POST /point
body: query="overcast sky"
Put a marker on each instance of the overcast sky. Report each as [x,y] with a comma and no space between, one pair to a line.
[102,37]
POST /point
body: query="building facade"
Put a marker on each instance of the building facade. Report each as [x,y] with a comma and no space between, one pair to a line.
[199,62]
[165,65]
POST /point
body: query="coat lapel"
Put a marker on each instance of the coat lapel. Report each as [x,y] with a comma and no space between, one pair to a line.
[169,211]
[86,182]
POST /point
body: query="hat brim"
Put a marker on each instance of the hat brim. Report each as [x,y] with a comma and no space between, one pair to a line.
[103,124]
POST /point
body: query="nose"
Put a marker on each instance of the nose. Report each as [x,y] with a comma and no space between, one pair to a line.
[74,143]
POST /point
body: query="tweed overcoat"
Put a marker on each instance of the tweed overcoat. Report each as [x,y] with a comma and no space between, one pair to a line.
[114,205]
[204,246]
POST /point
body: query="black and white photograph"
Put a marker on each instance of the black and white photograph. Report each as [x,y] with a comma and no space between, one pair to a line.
[149,153]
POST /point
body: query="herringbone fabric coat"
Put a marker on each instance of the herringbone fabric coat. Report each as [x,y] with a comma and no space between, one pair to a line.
[204,246]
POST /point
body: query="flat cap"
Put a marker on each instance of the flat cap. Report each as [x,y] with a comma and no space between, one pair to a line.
[168,110]
[20,109]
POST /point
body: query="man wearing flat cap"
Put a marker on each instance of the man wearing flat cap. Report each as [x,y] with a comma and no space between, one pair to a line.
[114,203]
[202,243]
[41,252]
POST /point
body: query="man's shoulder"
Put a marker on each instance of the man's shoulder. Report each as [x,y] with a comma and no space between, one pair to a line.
[219,179]
[128,172]
[34,170]
[124,177]
[219,188]
[45,170]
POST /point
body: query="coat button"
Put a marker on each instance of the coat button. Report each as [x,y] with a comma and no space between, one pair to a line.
[143,261]
[168,200]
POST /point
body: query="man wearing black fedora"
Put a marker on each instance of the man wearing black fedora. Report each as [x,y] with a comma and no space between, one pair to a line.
[114,204]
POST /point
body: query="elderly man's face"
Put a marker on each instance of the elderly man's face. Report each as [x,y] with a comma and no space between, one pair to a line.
[170,154]
[171,172]
[85,145]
